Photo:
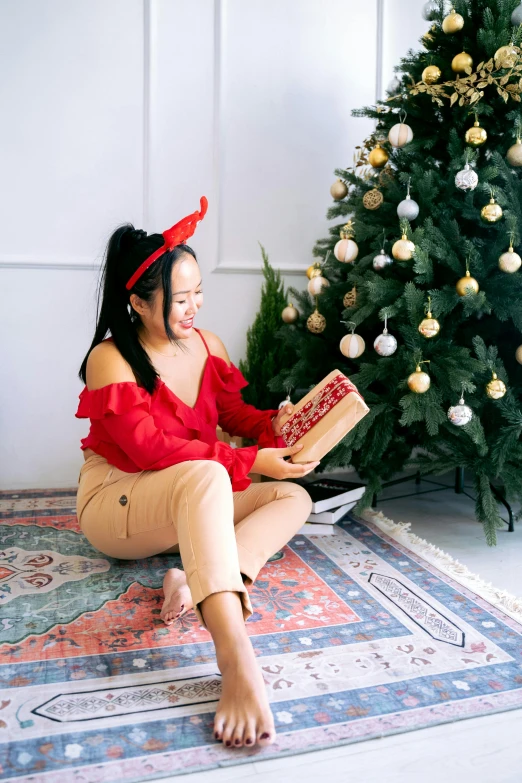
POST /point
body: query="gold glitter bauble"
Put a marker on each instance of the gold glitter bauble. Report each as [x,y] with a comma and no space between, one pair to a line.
[461,61]
[403,249]
[431,74]
[475,136]
[467,284]
[290,314]
[313,271]
[373,199]
[452,23]
[495,388]
[378,157]
[506,56]
[510,261]
[316,323]
[492,212]
[419,381]
[429,327]
[518,354]
[338,190]
[350,298]
[514,153]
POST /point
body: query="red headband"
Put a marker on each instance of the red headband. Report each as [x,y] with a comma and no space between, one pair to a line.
[176,235]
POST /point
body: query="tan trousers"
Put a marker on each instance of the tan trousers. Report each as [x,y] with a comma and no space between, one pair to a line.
[224,537]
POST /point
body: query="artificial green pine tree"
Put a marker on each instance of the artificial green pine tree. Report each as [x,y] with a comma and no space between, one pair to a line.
[265,356]
[479,332]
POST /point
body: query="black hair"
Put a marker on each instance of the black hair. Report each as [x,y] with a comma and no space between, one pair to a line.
[126,250]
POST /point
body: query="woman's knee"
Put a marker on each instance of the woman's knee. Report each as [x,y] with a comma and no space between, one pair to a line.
[300,495]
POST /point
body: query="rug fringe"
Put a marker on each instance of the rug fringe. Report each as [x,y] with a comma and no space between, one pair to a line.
[399,531]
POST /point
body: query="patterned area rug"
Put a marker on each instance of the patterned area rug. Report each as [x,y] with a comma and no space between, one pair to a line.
[368,632]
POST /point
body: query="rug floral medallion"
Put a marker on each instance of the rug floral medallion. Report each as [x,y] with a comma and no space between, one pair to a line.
[356,634]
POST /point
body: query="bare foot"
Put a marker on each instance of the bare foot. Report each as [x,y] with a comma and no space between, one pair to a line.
[178,600]
[243,715]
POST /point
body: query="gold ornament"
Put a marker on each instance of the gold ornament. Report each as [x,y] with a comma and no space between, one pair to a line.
[403,249]
[316,323]
[496,388]
[467,284]
[373,199]
[419,381]
[313,271]
[461,61]
[429,326]
[506,56]
[378,157]
[350,298]
[492,212]
[518,354]
[510,261]
[427,38]
[514,153]
[452,23]
[475,136]
[338,190]
[431,74]
[290,314]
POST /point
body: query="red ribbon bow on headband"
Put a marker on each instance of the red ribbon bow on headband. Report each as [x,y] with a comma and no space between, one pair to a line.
[177,235]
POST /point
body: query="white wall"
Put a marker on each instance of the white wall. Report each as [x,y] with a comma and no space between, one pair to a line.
[118,110]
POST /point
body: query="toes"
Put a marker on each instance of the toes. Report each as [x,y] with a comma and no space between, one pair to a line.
[219,723]
[237,740]
[266,735]
[249,734]
[228,733]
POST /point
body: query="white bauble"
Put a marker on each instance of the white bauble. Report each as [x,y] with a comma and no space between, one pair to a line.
[408,208]
[516,16]
[317,284]
[400,134]
[385,344]
[509,261]
[381,260]
[430,10]
[460,414]
[352,345]
[466,179]
[346,250]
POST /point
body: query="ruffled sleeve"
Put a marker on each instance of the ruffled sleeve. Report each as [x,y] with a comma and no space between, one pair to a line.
[237,417]
[123,410]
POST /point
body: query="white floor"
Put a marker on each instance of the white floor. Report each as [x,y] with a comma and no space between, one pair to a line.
[478,750]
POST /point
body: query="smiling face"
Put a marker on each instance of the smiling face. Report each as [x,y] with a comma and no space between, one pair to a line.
[187,298]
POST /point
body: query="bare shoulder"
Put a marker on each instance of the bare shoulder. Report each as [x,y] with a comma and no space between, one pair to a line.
[215,345]
[106,365]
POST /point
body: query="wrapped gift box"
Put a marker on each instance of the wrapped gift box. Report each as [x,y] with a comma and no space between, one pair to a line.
[323,417]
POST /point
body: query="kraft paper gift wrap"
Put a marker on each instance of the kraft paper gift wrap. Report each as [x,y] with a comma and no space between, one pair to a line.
[323,417]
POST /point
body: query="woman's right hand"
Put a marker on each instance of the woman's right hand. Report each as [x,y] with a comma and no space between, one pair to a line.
[271,462]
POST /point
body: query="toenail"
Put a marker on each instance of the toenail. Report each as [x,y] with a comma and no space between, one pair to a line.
[216,734]
[249,741]
[228,742]
[265,735]
[237,742]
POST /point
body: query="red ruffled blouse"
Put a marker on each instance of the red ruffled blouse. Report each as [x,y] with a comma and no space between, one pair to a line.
[135,430]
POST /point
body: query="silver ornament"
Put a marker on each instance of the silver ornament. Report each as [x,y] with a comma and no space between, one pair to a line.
[430,10]
[408,208]
[516,16]
[467,179]
[394,85]
[385,344]
[460,414]
[288,401]
[381,260]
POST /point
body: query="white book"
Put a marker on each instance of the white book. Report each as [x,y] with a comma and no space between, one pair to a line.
[310,529]
[331,493]
[331,516]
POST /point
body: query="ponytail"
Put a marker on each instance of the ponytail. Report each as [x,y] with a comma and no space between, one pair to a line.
[126,248]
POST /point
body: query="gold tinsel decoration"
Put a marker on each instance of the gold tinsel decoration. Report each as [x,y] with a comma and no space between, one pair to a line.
[373,199]
[350,298]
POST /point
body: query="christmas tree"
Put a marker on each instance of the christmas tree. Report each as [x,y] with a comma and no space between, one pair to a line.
[431,220]
[265,357]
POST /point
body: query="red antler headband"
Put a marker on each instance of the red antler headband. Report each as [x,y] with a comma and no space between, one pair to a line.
[176,235]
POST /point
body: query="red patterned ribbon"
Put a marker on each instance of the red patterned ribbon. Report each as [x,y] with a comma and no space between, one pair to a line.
[304,419]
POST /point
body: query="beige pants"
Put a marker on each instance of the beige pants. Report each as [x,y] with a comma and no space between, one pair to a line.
[224,537]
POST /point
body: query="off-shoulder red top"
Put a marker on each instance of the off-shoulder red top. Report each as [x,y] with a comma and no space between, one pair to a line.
[135,430]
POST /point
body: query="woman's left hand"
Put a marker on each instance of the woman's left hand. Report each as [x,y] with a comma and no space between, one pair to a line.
[276,421]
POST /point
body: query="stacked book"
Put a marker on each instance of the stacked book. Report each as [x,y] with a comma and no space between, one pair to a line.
[331,500]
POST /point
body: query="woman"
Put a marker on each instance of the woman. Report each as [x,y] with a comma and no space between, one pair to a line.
[156,477]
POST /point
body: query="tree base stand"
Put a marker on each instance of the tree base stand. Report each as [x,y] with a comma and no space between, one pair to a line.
[458,488]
